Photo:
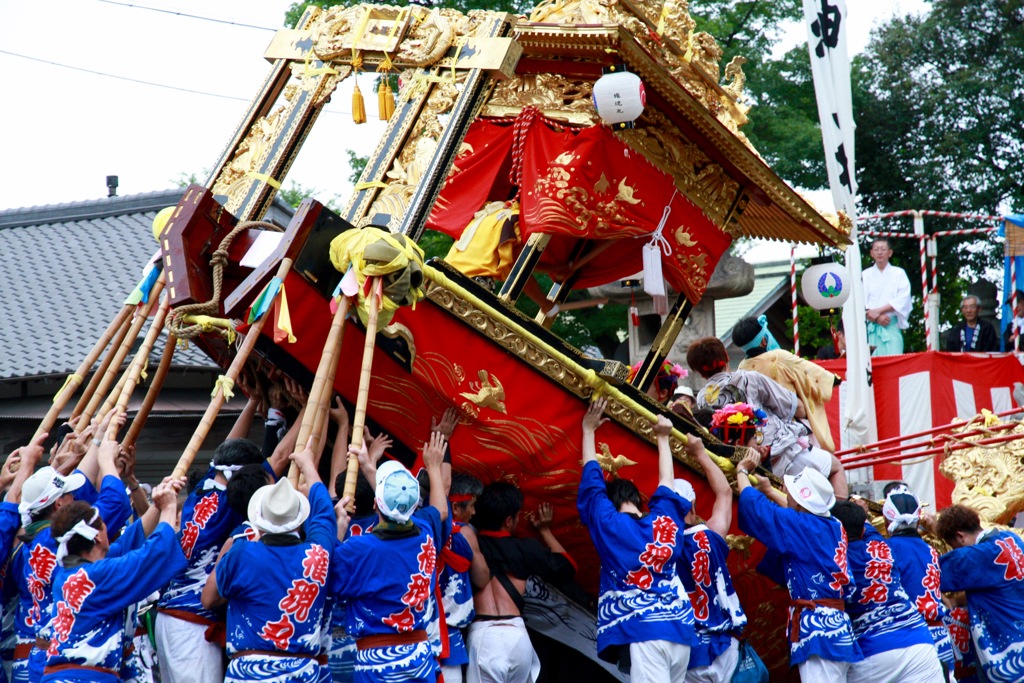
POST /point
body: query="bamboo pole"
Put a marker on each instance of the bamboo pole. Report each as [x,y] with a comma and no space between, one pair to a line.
[194,444]
[362,397]
[97,377]
[319,403]
[154,390]
[126,345]
[134,371]
[74,380]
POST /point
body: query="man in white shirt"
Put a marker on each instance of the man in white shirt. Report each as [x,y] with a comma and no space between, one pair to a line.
[887,299]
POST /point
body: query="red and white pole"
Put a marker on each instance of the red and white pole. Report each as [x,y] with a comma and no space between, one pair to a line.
[923,243]
[792,296]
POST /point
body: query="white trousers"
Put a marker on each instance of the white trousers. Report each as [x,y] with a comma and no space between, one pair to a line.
[721,670]
[657,661]
[452,674]
[914,664]
[500,651]
[821,670]
[185,654]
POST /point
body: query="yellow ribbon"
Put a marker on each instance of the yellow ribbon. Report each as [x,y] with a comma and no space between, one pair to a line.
[387,64]
[74,376]
[368,185]
[263,177]
[664,17]
[142,370]
[316,71]
[990,419]
[348,249]
[225,384]
[357,60]
[210,324]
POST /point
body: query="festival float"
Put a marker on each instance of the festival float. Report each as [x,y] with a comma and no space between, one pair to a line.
[563,143]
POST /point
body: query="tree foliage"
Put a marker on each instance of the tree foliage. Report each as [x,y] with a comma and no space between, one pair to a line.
[940,127]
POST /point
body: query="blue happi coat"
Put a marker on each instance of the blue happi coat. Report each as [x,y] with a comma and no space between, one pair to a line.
[991,572]
[641,597]
[884,619]
[456,594]
[918,563]
[34,563]
[717,613]
[388,578]
[206,523]
[92,600]
[276,589]
[813,555]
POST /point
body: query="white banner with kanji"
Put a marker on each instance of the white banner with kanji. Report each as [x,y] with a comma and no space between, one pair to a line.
[830,66]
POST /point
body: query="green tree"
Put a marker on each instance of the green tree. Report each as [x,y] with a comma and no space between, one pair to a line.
[940,127]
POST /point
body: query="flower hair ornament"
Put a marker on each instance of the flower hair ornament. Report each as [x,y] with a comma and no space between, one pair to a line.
[668,375]
[737,422]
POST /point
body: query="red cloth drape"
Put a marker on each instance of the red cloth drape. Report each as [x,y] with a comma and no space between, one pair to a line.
[580,184]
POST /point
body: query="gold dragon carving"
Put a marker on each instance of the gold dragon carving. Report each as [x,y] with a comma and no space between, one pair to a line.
[553,94]
[989,479]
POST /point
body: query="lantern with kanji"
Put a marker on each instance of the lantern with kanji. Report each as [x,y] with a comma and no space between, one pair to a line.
[619,97]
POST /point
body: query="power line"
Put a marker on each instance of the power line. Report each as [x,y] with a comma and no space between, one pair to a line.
[141,82]
[122,78]
[185,14]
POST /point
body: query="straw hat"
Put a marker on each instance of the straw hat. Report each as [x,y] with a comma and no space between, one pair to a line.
[811,490]
[278,508]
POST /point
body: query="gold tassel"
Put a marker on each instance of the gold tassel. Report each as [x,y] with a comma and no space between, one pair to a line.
[358,107]
[385,99]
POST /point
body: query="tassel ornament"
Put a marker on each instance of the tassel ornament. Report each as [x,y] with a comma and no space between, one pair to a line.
[385,99]
[358,106]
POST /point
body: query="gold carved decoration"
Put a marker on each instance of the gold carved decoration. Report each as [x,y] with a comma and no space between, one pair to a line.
[989,479]
[698,178]
[255,152]
[416,155]
[668,33]
[488,392]
[571,377]
[420,39]
[554,95]
[612,463]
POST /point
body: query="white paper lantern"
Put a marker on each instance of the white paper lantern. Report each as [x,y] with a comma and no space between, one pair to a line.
[619,98]
[825,285]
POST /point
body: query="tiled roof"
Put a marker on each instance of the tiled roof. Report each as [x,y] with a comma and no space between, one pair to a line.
[771,280]
[66,270]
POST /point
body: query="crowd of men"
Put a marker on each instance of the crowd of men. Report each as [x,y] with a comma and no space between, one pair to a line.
[241,574]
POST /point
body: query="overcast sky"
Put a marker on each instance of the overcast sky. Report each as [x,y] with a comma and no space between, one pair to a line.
[63,130]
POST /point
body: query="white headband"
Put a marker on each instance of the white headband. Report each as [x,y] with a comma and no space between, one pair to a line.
[81,528]
[51,493]
[227,471]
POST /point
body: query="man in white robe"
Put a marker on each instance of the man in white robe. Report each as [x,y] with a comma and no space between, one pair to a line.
[887,299]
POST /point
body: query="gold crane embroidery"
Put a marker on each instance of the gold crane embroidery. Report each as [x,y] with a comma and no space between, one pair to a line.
[488,392]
